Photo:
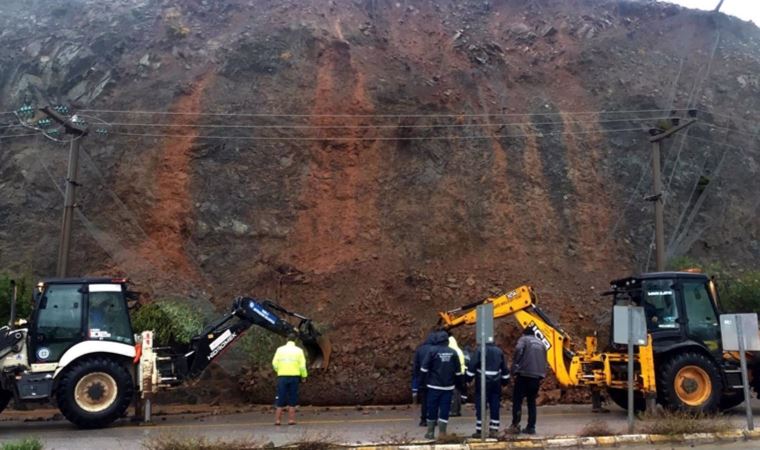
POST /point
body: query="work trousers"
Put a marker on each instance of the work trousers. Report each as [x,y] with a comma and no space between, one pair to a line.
[439,405]
[493,404]
[525,388]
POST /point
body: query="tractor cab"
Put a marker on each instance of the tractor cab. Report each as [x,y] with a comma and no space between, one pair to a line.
[678,306]
[69,311]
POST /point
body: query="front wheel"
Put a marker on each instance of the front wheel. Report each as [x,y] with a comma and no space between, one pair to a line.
[95,392]
[690,382]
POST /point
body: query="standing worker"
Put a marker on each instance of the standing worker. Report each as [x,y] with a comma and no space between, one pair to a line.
[441,373]
[497,375]
[529,368]
[419,390]
[289,363]
[456,399]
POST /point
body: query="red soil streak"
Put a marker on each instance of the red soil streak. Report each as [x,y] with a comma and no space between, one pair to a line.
[167,220]
[340,225]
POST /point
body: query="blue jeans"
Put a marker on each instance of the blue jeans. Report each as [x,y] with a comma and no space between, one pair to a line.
[493,404]
[438,405]
[287,391]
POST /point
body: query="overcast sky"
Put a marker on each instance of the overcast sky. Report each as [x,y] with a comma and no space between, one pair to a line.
[744,9]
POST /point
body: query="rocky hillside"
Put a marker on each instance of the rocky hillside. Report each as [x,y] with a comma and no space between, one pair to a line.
[369,162]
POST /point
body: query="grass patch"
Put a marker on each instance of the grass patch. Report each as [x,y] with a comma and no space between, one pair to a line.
[175,443]
[26,444]
[449,438]
[322,441]
[399,439]
[680,422]
[596,428]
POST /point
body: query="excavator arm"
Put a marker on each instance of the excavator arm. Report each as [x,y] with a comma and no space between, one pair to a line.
[522,303]
[587,367]
[172,368]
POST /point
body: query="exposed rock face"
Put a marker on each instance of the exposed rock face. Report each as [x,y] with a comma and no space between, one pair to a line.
[394,158]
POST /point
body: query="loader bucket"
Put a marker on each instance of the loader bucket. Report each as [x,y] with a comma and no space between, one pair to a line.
[318,347]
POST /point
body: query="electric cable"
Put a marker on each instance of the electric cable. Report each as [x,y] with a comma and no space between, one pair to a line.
[381,138]
[173,113]
[380,126]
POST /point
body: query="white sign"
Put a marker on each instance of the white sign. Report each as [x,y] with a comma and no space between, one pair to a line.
[620,322]
[729,330]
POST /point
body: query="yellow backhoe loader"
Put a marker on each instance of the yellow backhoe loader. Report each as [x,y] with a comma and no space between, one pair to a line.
[682,366]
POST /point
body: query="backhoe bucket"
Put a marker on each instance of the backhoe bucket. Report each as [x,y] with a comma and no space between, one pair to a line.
[318,351]
[318,347]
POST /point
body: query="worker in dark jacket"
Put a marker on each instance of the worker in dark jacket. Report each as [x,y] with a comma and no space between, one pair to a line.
[497,375]
[419,390]
[528,368]
[441,373]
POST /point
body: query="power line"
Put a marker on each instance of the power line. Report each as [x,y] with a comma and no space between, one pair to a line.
[8,136]
[172,113]
[716,143]
[733,131]
[753,122]
[381,126]
[350,138]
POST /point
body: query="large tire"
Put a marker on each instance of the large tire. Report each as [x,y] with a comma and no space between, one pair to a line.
[94,392]
[690,382]
[5,398]
[620,398]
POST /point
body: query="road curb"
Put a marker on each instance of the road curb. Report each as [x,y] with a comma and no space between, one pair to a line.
[576,442]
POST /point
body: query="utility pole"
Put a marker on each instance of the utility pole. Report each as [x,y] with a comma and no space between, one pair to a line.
[77,131]
[657,136]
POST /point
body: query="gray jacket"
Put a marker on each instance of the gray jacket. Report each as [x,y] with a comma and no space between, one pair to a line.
[529,359]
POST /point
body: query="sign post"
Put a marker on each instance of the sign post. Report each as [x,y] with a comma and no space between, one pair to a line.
[739,332]
[484,325]
[631,329]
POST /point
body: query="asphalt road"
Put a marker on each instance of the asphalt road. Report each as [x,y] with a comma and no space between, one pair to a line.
[339,425]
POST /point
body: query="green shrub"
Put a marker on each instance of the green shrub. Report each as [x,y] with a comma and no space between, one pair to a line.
[24,303]
[172,322]
[26,444]
[741,294]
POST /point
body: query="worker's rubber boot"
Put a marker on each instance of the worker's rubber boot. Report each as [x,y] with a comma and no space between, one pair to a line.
[431,430]
[277,416]
[442,429]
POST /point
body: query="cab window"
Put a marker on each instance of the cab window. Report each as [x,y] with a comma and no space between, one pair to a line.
[108,318]
[59,320]
[703,322]
[660,308]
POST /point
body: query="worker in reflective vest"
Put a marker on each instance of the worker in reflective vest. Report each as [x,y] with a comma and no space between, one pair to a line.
[289,363]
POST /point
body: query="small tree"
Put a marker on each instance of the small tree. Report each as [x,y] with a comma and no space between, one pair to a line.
[172,322]
[24,303]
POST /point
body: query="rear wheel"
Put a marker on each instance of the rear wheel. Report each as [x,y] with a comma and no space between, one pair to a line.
[690,382]
[5,397]
[94,392]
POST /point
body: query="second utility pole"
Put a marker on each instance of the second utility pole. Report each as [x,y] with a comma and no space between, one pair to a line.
[659,219]
[77,131]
